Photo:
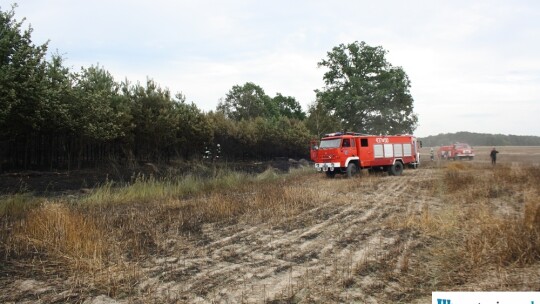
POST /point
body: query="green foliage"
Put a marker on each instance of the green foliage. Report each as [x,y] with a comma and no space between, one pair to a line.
[246,102]
[58,108]
[226,134]
[321,121]
[194,130]
[22,71]
[288,107]
[250,124]
[95,104]
[166,126]
[155,120]
[250,101]
[262,138]
[365,92]
[480,139]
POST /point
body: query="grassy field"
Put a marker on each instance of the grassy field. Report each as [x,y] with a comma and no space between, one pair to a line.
[281,238]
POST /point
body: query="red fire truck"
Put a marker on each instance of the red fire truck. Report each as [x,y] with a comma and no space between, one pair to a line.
[456,151]
[349,152]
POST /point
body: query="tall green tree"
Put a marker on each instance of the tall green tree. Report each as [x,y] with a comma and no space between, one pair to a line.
[95,104]
[58,97]
[22,73]
[246,102]
[365,92]
[155,118]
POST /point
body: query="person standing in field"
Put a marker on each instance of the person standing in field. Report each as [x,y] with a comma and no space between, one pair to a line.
[493,156]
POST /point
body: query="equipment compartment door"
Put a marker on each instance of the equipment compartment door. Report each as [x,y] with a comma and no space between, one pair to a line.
[348,147]
[365,152]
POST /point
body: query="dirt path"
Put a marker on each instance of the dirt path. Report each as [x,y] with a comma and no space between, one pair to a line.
[317,258]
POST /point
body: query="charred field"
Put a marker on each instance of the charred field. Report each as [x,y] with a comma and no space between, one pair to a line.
[272,237]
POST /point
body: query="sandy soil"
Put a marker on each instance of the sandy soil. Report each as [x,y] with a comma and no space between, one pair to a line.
[315,255]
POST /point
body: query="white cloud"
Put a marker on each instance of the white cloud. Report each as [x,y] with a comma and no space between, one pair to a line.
[205,81]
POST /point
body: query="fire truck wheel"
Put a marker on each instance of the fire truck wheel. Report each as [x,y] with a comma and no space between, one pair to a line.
[396,169]
[330,174]
[352,170]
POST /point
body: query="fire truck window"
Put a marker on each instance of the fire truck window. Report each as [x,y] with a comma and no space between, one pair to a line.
[346,142]
[363,142]
[330,143]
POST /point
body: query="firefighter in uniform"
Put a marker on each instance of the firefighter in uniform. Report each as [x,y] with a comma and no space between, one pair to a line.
[493,155]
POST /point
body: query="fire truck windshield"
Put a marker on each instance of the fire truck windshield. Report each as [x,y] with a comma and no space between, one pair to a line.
[462,146]
[330,143]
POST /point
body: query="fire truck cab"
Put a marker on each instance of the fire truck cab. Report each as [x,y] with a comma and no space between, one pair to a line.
[347,153]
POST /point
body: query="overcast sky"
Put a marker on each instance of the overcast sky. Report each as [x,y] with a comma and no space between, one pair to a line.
[474,65]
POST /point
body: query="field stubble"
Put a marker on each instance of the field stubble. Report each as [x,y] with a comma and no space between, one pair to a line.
[297,238]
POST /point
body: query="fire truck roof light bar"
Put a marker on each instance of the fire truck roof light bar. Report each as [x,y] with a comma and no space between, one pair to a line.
[346,133]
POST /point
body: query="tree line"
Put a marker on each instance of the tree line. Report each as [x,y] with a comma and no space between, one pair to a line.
[480,139]
[53,117]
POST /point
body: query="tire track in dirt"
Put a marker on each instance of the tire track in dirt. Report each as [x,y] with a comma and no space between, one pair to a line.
[256,263]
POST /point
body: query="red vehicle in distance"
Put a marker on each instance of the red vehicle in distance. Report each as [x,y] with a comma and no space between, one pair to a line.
[457,151]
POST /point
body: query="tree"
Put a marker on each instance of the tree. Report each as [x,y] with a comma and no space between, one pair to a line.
[225,134]
[247,102]
[22,73]
[95,106]
[56,110]
[194,131]
[321,121]
[288,107]
[365,92]
[155,119]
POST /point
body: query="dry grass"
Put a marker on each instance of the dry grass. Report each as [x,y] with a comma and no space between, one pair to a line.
[60,233]
[13,210]
[149,189]
[490,220]
[17,206]
[113,229]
